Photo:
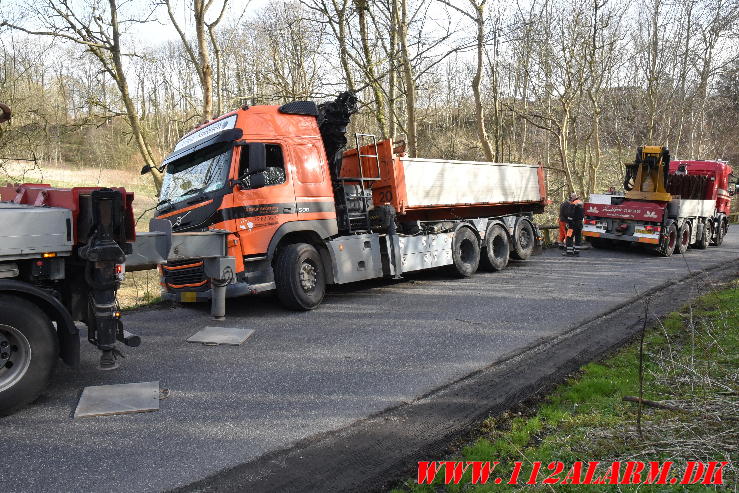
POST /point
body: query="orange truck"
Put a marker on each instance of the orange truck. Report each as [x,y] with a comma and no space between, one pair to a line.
[301,213]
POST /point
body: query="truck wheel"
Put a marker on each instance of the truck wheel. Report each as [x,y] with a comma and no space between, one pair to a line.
[497,248]
[465,252]
[683,238]
[599,242]
[669,241]
[723,226]
[299,277]
[523,240]
[705,238]
[28,352]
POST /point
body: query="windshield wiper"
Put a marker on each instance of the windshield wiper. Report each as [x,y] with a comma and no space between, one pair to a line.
[162,202]
[192,190]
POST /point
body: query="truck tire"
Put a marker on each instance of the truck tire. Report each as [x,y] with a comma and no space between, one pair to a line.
[669,241]
[465,252]
[705,239]
[600,242]
[523,240]
[497,248]
[723,226]
[299,277]
[28,352]
[683,238]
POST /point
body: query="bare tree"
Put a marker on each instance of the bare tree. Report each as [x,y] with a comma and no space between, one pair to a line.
[362,7]
[98,30]
[401,25]
[204,31]
[478,17]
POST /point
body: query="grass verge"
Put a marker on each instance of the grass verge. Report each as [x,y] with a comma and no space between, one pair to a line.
[691,363]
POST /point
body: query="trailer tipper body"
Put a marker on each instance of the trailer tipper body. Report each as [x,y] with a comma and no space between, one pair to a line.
[302,213]
[692,210]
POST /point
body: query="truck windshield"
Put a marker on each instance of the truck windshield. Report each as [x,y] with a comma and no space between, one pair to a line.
[203,171]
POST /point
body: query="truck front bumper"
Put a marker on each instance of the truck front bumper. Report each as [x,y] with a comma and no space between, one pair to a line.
[232,291]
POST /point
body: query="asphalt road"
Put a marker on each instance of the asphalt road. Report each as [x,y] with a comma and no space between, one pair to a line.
[370,347]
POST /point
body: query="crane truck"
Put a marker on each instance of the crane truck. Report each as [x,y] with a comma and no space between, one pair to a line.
[667,205]
[302,213]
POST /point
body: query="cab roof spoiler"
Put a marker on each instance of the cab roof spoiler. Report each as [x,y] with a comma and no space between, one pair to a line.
[229,135]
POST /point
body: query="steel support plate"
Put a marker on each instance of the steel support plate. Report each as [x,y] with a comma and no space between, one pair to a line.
[221,335]
[105,400]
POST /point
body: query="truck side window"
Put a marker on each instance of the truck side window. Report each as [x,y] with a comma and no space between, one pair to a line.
[275,173]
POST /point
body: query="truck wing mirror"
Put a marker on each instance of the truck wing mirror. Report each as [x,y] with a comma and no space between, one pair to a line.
[257,158]
[257,164]
[146,169]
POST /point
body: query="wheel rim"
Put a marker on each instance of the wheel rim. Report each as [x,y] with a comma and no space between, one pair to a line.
[15,356]
[524,238]
[466,251]
[498,247]
[673,239]
[685,237]
[308,276]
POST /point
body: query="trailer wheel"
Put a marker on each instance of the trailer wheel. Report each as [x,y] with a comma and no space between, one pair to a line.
[28,352]
[299,277]
[669,241]
[683,238]
[465,252]
[523,240]
[497,248]
[705,238]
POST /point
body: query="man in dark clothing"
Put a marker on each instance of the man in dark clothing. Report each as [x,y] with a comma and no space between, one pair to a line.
[575,212]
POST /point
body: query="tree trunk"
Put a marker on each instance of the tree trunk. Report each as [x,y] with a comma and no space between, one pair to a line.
[362,6]
[131,112]
[205,70]
[479,110]
[409,82]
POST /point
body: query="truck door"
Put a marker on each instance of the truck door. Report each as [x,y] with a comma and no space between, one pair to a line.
[259,212]
[313,193]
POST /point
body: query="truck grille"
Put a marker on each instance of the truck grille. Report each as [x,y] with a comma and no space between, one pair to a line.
[185,275]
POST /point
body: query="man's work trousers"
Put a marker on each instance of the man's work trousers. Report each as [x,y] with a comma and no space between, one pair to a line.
[562,231]
[574,240]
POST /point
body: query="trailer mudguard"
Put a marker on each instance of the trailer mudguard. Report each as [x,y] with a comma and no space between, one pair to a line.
[67,332]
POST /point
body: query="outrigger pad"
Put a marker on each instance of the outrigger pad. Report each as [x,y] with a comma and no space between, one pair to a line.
[125,398]
[212,336]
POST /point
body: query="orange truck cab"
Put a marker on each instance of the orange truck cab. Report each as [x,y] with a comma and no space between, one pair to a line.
[272,177]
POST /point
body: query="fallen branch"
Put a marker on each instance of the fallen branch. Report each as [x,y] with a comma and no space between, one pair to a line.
[658,405]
